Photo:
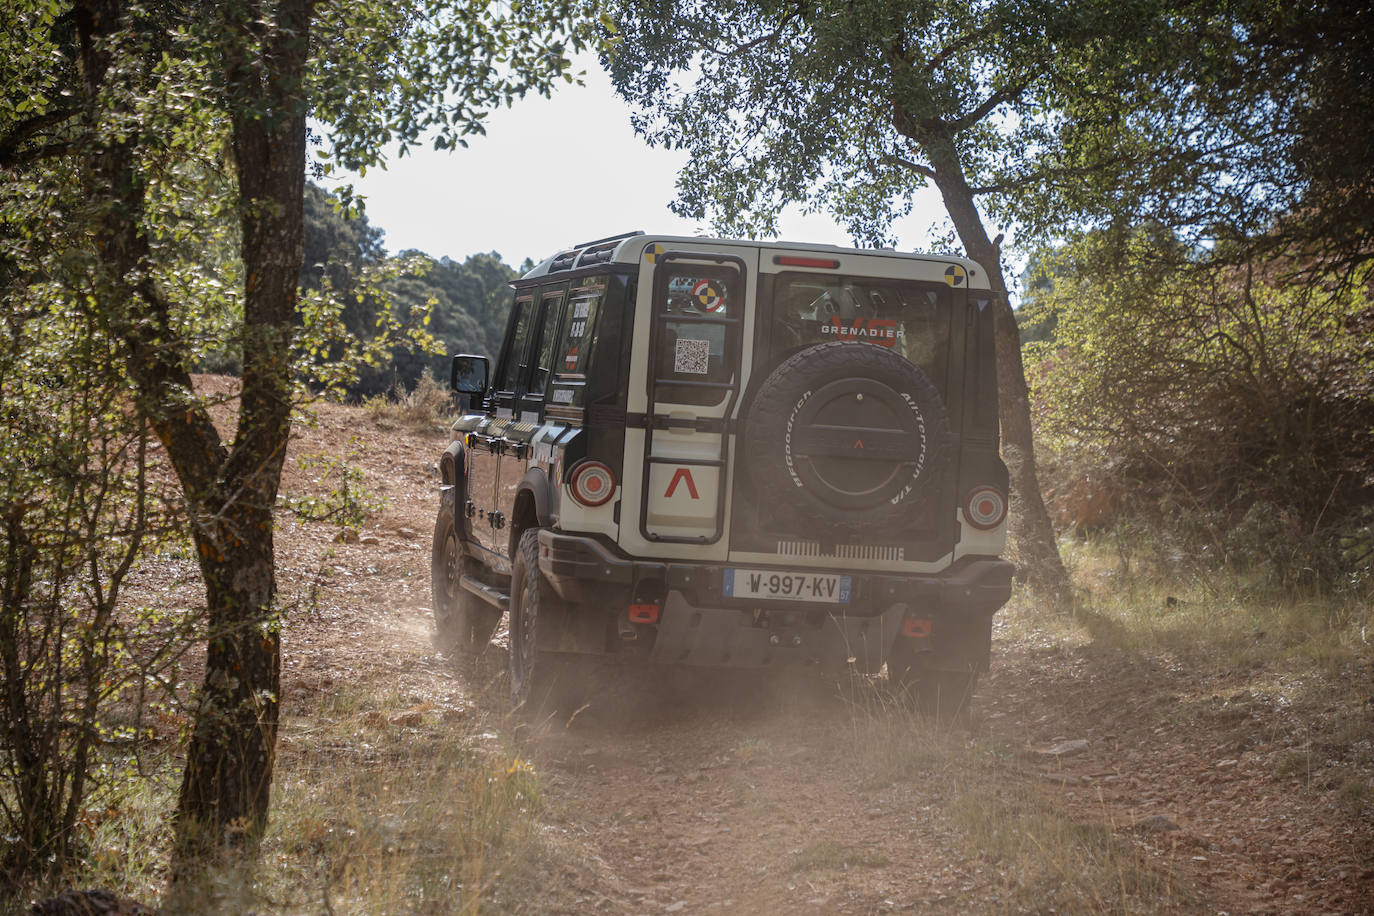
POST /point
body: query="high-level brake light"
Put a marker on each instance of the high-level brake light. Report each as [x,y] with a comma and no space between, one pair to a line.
[787,260]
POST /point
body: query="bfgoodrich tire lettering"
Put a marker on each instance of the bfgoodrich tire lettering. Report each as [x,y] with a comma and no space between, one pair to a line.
[846,434]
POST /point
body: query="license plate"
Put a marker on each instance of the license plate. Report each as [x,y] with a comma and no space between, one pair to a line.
[785,586]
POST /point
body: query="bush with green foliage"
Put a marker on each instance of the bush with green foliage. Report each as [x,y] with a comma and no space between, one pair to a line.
[1233,405]
[81,667]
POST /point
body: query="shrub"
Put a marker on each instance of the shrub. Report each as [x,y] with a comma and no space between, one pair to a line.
[1232,404]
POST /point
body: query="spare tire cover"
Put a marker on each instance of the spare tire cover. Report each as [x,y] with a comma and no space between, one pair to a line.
[845,433]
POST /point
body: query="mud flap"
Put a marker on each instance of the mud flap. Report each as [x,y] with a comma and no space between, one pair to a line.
[573,629]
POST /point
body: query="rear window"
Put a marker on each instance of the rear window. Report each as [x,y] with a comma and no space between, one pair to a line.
[512,366]
[698,310]
[911,319]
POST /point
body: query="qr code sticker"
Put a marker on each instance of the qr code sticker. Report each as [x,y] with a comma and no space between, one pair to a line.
[692,356]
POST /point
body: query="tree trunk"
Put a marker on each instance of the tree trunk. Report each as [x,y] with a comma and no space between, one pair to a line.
[226,788]
[230,493]
[1041,566]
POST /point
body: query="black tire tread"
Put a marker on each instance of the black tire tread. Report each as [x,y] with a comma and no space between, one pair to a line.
[818,364]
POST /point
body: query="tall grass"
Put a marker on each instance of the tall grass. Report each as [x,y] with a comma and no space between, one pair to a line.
[1220,618]
[379,806]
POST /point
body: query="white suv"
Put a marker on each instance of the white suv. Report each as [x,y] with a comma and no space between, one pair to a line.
[731,453]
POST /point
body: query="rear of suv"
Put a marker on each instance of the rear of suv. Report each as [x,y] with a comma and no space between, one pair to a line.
[713,452]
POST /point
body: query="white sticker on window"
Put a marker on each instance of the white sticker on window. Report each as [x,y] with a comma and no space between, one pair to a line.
[562,395]
[580,308]
[692,356]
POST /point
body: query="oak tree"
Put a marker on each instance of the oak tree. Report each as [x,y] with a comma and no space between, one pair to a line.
[131,94]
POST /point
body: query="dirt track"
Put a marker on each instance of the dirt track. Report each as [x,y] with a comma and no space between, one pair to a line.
[737,794]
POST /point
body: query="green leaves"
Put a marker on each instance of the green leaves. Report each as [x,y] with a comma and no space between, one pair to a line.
[1215,389]
[387,74]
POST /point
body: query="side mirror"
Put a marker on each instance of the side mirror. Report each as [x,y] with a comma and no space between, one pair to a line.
[468,374]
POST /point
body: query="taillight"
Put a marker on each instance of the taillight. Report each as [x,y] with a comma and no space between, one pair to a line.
[985,508]
[916,628]
[592,484]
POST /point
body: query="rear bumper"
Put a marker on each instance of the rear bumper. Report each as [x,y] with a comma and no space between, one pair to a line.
[699,625]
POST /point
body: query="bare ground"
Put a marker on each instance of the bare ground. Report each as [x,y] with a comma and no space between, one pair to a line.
[682,792]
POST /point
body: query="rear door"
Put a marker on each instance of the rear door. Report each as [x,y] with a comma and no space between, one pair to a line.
[909,306]
[678,428]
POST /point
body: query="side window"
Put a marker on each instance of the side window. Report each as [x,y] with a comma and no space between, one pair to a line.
[698,326]
[513,356]
[549,313]
[574,353]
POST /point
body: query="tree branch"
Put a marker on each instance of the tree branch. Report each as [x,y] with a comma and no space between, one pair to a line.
[10,143]
[922,170]
[39,153]
[1000,97]
[953,47]
[769,37]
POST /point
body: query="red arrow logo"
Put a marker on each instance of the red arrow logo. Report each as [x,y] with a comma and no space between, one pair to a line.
[682,474]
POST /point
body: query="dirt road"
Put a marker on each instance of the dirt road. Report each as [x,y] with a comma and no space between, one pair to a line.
[1090,779]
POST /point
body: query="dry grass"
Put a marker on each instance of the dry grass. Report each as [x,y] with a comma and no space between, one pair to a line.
[829,855]
[1135,606]
[388,809]
[377,808]
[426,406]
[1045,859]
[1052,862]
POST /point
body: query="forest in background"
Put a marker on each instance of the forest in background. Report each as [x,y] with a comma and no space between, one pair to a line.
[467,301]
[462,304]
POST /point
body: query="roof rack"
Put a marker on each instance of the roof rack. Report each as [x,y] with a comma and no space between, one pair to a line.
[586,254]
[611,238]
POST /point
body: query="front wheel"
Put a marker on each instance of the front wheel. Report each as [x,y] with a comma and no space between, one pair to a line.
[463,623]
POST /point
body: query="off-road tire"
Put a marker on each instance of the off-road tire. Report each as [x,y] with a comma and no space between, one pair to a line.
[463,623]
[540,681]
[847,435]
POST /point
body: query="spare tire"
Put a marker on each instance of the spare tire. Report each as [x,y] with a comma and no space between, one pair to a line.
[845,434]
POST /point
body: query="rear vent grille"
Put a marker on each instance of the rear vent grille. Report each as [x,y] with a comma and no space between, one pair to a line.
[840,551]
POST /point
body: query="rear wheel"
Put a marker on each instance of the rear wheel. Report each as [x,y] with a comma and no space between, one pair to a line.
[463,623]
[539,680]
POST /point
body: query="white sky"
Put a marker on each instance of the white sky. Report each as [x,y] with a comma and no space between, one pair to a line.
[551,173]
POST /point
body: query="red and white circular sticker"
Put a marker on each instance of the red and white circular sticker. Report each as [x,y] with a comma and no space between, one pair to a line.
[707,296]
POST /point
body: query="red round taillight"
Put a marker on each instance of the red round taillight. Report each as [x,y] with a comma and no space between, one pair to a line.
[592,483]
[985,508]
